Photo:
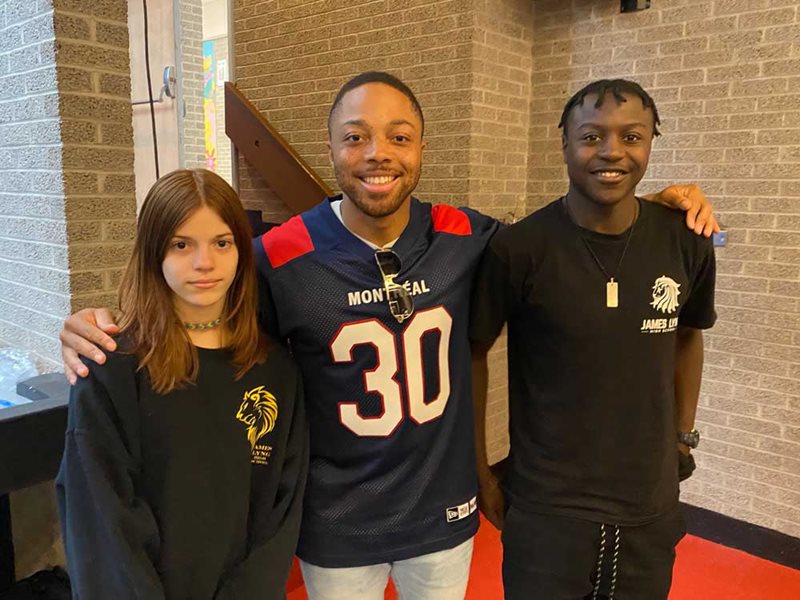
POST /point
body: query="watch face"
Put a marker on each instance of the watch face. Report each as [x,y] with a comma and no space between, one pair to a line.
[691,438]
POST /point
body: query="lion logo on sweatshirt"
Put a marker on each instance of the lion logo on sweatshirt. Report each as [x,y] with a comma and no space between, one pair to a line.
[259,412]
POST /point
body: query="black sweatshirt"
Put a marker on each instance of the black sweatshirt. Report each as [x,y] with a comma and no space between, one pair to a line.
[192,494]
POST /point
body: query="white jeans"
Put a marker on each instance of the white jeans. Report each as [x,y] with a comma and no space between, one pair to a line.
[436,576]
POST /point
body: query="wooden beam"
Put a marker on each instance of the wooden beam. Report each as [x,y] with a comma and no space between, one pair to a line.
[287,174]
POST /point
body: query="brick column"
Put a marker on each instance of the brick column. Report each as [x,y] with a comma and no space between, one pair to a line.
[94,87]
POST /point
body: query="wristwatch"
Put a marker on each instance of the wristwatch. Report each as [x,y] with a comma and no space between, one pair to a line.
[691,438]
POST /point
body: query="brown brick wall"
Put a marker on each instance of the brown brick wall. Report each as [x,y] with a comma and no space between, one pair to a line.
[469,64]
[726,77]
[501,91]
[291,59]
[498,152]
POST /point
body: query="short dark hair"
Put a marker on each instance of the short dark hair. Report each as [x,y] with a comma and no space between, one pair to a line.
[376,77]
[616,87]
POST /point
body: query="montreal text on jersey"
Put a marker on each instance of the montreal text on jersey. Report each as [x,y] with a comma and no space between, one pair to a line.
[376,295]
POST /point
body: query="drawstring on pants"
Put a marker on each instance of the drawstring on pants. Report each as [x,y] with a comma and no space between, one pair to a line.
[614,562]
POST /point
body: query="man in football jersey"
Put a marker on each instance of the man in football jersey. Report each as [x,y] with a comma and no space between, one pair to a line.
[606,298]
[371,289]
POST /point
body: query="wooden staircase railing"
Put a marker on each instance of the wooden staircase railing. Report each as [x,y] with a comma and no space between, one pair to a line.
[287,174]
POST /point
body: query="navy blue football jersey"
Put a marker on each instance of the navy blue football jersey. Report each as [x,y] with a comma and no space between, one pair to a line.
[392,472]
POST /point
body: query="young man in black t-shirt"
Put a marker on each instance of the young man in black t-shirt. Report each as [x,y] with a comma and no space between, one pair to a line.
[605,298]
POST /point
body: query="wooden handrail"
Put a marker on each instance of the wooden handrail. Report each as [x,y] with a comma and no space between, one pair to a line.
[287,174]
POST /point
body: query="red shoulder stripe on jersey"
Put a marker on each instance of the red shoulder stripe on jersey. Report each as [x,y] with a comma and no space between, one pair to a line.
[449,219]
[287,242]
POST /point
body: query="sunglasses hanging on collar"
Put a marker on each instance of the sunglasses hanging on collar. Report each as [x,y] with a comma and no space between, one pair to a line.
[401,303]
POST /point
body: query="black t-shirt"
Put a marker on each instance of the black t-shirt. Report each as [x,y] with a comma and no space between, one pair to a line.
[192,494]
[592,407]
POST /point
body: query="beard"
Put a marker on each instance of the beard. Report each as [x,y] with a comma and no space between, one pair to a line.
[373,205]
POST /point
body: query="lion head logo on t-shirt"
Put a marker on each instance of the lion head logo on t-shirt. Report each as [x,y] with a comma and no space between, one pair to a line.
[665,294]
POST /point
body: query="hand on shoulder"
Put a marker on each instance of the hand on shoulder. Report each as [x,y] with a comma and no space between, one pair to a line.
[84,334]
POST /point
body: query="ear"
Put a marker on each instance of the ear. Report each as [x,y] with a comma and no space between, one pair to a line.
[422,145]
[564,146]
[330,151]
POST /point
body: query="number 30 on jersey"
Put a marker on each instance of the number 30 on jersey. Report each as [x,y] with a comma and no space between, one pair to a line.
[381,379]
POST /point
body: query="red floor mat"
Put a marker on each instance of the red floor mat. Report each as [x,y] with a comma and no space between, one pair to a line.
[703,571]
[709,571]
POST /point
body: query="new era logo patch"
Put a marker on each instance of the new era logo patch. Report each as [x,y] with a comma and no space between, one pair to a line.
[462,511]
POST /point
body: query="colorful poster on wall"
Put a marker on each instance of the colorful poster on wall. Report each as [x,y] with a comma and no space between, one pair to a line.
[209,106]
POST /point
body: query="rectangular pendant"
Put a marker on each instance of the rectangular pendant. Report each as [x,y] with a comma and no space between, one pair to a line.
[612,294]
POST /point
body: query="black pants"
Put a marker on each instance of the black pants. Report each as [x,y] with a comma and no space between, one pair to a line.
[559,558]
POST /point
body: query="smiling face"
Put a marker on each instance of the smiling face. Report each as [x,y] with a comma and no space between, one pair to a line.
[376,148]
[200,265]
[607,148]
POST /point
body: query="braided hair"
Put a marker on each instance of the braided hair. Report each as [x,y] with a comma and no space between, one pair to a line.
[616,87]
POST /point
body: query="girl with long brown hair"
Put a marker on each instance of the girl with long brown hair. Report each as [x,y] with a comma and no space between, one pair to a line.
[186,451]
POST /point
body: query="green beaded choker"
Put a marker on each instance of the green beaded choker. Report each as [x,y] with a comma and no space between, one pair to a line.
[202,326]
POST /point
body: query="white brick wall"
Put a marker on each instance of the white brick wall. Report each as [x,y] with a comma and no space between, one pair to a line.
[65,142]
[34,282]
